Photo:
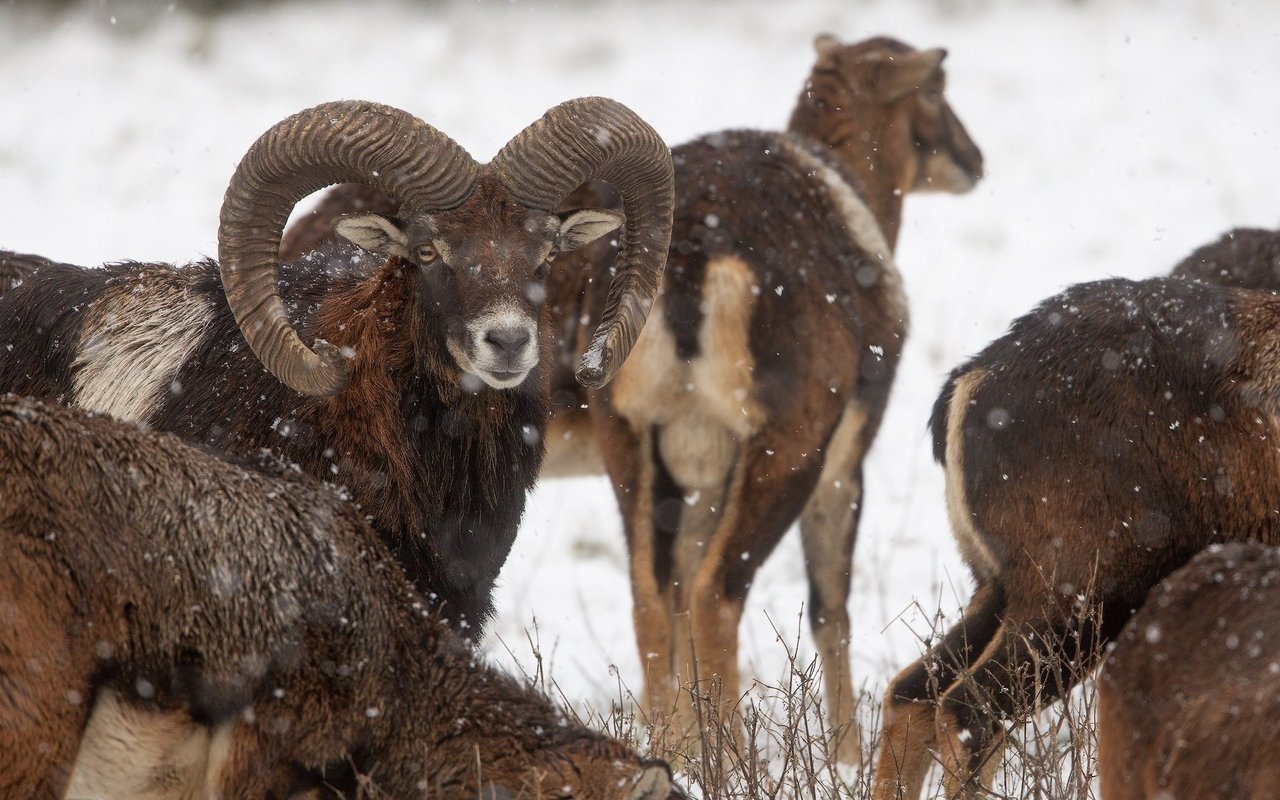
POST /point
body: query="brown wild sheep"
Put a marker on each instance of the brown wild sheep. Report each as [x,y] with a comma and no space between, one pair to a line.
[757,387]
[1189,698]
[426,393]
[251,629]
[1114,432]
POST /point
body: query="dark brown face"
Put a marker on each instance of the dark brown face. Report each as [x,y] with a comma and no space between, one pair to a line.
[483,268]
[486,273]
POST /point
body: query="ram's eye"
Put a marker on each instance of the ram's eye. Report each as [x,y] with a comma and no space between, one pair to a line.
[551,255]
[427,253]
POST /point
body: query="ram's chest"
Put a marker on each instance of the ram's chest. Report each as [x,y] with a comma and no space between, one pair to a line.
[657,384]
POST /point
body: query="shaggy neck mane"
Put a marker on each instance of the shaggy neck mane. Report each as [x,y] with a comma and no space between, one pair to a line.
[365,319]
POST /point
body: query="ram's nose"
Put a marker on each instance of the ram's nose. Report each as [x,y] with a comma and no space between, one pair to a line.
[508,343]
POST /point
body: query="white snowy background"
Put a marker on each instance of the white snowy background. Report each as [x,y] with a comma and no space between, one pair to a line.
[1117,135]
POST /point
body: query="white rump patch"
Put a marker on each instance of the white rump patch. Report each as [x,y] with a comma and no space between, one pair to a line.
[655,386]
[862,226]
[969,537]
[134,341]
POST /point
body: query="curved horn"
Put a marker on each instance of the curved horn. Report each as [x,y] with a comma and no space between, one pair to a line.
[346,141]
[594,137]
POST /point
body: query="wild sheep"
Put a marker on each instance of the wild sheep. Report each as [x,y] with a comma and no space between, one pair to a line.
[759,384]
[1189,698]
[426,391]
[256,621]
[1114,432]
[756,390]
[1247,258]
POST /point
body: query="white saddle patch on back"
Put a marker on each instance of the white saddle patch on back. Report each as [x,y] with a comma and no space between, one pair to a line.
[134,341]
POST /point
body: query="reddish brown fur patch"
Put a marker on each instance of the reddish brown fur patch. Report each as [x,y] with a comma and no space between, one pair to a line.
[1257,322]
[1118,778]
[44,687]
[368,320]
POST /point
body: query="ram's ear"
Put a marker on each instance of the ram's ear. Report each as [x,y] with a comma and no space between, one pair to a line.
[584,227]
[375,233]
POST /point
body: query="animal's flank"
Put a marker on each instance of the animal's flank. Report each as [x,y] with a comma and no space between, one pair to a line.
[1256,372]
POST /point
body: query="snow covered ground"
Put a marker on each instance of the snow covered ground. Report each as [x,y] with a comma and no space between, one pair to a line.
[1117,135]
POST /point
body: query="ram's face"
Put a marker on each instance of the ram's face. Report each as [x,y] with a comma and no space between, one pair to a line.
[482,269]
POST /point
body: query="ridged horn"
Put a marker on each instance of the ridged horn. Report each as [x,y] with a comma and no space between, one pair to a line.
[597,138]
[346,141]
